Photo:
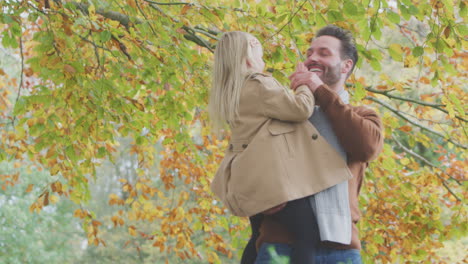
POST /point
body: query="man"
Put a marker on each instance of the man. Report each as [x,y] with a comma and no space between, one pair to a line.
[357,131]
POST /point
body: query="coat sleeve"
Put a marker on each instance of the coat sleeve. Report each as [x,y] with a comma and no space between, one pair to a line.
[358,129]
[282,104]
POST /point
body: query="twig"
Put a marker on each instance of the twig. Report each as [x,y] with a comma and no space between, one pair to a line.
[190,31]
[421,158]
[144,15]
[435,106]
[400,114]
[174,3]
[20,86]
[289,21]
[415,155]
[122,18]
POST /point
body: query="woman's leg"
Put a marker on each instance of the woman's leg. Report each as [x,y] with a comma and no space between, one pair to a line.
[299,218]
[250,252]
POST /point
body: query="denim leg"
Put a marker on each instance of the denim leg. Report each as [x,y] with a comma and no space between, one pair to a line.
[323,255]
[264,256]
[341,256]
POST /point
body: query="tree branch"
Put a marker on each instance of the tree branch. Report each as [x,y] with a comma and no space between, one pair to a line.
[175,3]
[20,86]
[422,159]
[435,106]
[191,32]
[290,19]
[408,151]
[123,19]
[400,114]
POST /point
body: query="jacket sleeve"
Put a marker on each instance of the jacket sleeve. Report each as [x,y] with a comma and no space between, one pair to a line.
[358,129]
[282,104]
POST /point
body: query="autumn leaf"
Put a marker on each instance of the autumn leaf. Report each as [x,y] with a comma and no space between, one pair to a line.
[29,188]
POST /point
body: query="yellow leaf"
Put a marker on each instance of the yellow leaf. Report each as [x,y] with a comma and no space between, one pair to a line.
[410,61]
[92,11]
[405,161]
[131,230]
[32,207]
[55,169]
[53,199]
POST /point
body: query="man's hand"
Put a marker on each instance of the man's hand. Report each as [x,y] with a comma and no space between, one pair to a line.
[304,77]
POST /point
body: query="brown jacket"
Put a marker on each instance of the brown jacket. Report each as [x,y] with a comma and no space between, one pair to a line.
[359,131]
[268,160]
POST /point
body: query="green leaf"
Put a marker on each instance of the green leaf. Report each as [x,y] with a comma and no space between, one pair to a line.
[435,79]
[418,51]
[458,105]
[101,152]
[350,9]
[405,12]
[105,36]
[376,65]
[394,17]
[70,152]
[396,52]
[20,106]
[462,29]
[334,16]
[359,92]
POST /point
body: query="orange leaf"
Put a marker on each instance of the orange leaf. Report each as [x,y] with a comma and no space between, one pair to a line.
[46,198]
[132,4]
[406,128]
[30,187]
[68,68]
[185,9]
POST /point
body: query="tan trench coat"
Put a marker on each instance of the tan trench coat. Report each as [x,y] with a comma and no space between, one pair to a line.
[275,155]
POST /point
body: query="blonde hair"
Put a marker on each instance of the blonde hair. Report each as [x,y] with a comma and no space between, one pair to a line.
[229,74]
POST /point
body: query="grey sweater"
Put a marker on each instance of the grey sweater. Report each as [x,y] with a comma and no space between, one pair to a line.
[331,206]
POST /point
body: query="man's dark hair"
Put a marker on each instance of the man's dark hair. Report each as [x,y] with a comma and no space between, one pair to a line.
[348,45]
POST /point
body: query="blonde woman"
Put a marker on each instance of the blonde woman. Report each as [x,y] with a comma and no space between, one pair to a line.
[276,158]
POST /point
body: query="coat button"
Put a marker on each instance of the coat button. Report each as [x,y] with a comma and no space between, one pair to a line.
[244,145]
[314,136]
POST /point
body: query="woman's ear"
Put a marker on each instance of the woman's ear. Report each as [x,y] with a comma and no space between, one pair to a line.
[248,62]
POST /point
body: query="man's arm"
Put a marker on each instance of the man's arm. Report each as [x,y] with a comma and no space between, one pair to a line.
[358,129]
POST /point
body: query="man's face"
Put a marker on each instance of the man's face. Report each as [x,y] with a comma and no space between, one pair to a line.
[323,58]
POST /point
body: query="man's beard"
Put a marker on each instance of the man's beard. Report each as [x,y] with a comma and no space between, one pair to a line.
[331,75]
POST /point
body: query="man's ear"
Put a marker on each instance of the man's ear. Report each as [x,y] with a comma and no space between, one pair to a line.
[347,65]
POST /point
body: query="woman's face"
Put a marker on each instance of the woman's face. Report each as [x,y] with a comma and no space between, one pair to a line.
[256,62]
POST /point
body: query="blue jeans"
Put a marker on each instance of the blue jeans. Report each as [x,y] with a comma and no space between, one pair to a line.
[323,255]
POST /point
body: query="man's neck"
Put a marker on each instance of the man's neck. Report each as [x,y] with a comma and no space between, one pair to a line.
[337,88]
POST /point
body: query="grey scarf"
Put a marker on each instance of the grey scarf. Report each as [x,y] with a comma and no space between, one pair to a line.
[331,206]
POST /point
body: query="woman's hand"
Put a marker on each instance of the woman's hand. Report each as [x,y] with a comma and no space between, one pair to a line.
[304,77]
